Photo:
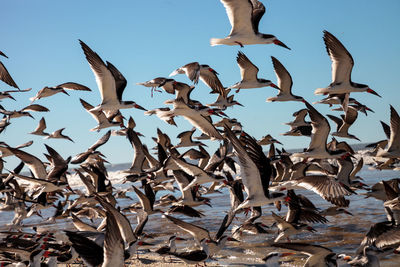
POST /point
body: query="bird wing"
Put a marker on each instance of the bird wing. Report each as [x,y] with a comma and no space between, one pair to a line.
[240,14]
[104,78]
[251,177]
[35,107]
[257,14]
[104,139]
[394,141]
[284,79]
[113,243]
[144,200]
[120,81]
[73,86]
[304,248]
[42,125]
[248,70]
[34,164]
[6,77]
[342,61]
[337,120]
[210,78]
[196,231]
[320,129]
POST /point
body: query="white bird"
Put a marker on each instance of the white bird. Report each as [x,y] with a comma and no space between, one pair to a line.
[245,16]
[342,65]
[248,73]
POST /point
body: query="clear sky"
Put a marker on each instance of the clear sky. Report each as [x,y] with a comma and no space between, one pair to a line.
[148,39]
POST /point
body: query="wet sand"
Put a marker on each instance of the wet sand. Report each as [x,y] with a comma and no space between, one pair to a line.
[343,233]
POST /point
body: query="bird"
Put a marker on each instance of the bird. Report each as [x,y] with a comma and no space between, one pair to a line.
[393,146]
[186,139]
[195,71]
[318,256]
[344,123]
[40,128]
[59,135]
[342,65]
[245,16]
[248,73]
[320,130]
[284,84]
[160,82]
[49,91]
[193,256]
[110,81]
[255,170]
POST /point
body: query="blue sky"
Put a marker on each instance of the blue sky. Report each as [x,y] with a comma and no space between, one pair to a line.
[148,39]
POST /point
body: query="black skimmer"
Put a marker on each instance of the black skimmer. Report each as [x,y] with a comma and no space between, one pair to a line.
[255,170]
[223,102]
[200,176]
[198,118]
[342,65]
[344,123]
[59,135]
[319,256]
[40,128]
[299,118]
[110,81]
[49,91]
[284,83]
[164,83]
[393,146]
[195,71]
[171,247]
[200,233]
[186,139]
[101,118]
[248,73]
[273,258]
[378,190]
[194,256]
[287,229]
[23,112]
[245,16]
[81,157]
[267,140]
[320,131]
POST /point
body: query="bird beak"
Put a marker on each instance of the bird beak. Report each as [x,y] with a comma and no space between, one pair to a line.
[140,107]
[274,86]
[277,42]
[369,90]
[180,238]
[237,103]
[233,239]
[65,92]
[10,96]
[347,212]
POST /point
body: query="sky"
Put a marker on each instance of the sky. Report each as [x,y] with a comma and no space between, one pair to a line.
[148,39]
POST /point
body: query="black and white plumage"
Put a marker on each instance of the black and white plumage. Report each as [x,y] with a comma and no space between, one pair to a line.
[110,81]
[319,256]
[342,65]
[248,73]
[49,91]
[40,128]
[255,171]
[244,17]
[320,131]
[344,123]
[285,84]
[195,71]
[160,82]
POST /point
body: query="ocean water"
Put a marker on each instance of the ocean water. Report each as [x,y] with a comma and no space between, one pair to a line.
[343,233]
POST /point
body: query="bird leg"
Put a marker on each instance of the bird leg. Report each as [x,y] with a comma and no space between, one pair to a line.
[239,43]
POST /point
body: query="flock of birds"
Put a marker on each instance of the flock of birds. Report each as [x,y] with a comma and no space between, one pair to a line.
[327,169]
